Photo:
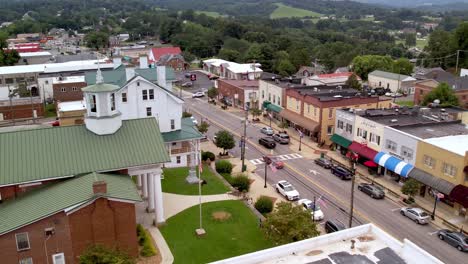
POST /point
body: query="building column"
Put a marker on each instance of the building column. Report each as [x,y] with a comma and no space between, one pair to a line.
[151,196]
[158,198]
[139,181]
[144,186]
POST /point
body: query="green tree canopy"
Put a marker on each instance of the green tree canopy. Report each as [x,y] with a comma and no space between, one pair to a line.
[289,223]
[353,82]
[410,188]
[402,66]
[442,92]
[363,65]
[97,40]
[410,40]
[225,140]
[203,127]
[212,92]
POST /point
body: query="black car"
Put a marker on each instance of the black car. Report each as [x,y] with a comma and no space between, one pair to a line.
[341,172]
[333,226]
[323,162]
[372,190]
[187,74]
[267,142]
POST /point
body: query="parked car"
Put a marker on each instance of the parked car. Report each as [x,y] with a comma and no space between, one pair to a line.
[315,210]
[226,101]
[194,120]
[341,172]
[198,94]
[267,142]
[456,239]
[372,190]
[267,131]
[212,77]
[187,74]
[214,139]
[416,214]
[281,138]
[276,162]
[187,84]
[287,190]
[334,226]
[323,162]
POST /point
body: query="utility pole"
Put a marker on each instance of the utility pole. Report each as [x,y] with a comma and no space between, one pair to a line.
[244,138]
[266,170]
[353,179]
[313,211]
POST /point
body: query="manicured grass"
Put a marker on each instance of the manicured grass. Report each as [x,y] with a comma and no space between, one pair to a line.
[405,103]
[421,43]
[288,11]
[209,13]
[50,110]
[174,182]
[235,236]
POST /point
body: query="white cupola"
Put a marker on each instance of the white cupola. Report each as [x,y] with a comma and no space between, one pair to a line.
[102,116]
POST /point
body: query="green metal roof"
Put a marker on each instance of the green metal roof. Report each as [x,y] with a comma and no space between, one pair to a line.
[188,131]
[54,198]
[274,108]
[100,87]
[340,140]
[151,74]
[389,75]
[117,76]
[54,152]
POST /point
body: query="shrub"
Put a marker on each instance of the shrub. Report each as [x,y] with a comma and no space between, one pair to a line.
[223,166]
[241,183]
[145,242]
[264,204]
[208,155]
[100,254]
[227,177]
[186,114]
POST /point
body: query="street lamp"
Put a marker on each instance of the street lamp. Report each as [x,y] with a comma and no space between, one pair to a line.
[353,157]
[300,139]
[436,199]
[267,161]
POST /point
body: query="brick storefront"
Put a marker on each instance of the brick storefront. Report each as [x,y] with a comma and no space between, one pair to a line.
[238,91]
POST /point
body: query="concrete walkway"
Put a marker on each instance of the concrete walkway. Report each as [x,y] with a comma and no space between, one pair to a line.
[176,203]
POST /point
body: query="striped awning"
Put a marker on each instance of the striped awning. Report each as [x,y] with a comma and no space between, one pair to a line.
[394,164]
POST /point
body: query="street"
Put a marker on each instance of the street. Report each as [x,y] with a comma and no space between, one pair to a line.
[312,181]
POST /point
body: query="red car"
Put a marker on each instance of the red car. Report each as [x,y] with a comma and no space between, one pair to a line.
[212,77]
[276,162]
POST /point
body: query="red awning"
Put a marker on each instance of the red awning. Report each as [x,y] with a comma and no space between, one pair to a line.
[363,151]
[371,164]
[460,195]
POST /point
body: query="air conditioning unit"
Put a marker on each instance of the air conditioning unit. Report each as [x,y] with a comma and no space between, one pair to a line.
[49,231]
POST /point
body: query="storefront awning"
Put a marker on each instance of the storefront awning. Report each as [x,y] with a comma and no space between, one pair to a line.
[265,104]
[341,140]
[299,120]
[363,151]
[274,108]
[394,164]
[427,179]
[460,195]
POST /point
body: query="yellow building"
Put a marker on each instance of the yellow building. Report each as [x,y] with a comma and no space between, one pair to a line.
[71,113]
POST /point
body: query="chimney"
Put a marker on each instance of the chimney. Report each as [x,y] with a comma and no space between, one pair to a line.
[143,62]
[117,61]
[99,187]
[161,76]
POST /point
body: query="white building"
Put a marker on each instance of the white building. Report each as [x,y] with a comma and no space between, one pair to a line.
[393,81]
[463,72]
[361,244]
[233,70]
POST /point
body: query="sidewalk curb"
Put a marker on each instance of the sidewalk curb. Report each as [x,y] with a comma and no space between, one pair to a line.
[166,254]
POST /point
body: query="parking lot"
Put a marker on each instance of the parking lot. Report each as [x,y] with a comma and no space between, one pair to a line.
[202,82]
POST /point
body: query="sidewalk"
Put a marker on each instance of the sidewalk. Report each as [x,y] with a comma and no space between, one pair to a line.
[443,219]
[176,203]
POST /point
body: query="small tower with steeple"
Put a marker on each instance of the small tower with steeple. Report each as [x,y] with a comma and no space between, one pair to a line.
[102,116]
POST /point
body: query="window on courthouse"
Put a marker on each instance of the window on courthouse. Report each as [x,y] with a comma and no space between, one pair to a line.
[22,241]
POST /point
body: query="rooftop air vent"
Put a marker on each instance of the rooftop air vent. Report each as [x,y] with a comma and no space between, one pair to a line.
[394,120]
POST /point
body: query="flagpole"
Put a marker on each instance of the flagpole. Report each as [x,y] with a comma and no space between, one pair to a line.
[199,183]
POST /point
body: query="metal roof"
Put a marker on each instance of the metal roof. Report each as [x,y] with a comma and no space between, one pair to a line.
[55,198]
[116,76]
[187,131]
[55,152]
[425,178]
[390,75]
[100,88]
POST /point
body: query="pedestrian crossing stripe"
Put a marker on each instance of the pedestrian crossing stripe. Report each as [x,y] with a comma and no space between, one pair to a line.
[280,157]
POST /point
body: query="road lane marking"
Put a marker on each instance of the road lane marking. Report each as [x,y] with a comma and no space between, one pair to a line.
[256,161]
[280,157]
[314,172]
[432,233]
[395,209]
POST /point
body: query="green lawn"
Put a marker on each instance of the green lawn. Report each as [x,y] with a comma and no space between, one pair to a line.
[174,182]
[421,43]
[405,103]
[209,13]
[235,236]
[50,110]
[287,11]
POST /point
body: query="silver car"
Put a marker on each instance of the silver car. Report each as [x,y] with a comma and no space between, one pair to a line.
[267,131]
[281,138]
[416,214]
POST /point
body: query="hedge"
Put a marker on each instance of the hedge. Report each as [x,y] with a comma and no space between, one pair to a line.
[208,155]
[264,204]
[241,183]
[145,242]
[223,166]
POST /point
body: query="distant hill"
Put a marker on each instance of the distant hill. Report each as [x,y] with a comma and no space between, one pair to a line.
[427,4]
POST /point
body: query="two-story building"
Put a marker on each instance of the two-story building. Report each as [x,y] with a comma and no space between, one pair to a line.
[272,93]
[243,93]
[68,88]
[393,81]
[232,70]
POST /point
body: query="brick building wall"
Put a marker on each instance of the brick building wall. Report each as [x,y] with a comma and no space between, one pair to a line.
[60,242]
[13,191]
[226,89]
[65,92]
[21,111]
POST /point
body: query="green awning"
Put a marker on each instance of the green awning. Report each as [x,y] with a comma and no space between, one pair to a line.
[274,108]
[340,140]
[265,104]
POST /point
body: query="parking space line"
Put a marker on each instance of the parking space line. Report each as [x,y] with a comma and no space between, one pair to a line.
[395,209]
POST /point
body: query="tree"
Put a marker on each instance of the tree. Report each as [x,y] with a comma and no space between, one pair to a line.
[353,82]
[229,54]
[186,114]
[284,125]
[255,112]
[97,40]
[212,93]
[439,45]
[285,68]
[363,65]
[203,127]
[402,66]
[410,40]
[443,93]
[7,57]
[102,255]
[225,140]
[410,188]
[288,224]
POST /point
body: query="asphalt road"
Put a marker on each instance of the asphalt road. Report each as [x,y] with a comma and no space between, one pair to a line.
[312,180]
[201,83]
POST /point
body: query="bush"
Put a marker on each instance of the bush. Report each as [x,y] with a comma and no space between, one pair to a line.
[227,177]
[208,155]
[264,204]
[223,166]
[145,242]
[241,183]
[100,254]
[186,114]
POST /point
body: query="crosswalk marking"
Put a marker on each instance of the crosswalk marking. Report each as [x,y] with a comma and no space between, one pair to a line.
[280,157]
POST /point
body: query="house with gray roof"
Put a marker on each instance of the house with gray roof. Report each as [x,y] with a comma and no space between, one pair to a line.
[397,83]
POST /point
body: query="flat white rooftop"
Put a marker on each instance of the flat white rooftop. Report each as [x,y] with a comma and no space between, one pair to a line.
[34,54]
[371,245]
[68,79]
[71,106]
[234,66]
[55,67]
[456,144]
